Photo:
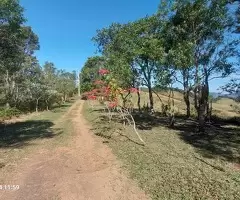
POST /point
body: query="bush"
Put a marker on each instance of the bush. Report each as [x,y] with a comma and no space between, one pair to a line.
[84,96]
[8,113]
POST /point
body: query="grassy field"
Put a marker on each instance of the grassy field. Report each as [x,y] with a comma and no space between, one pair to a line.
[175,163]
[223,107]
[19,137]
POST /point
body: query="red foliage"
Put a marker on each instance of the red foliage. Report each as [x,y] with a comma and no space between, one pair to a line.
[104,91]
[92,97]
[133,90]
[99,82]
[113,104]
[103,71]
[94,91]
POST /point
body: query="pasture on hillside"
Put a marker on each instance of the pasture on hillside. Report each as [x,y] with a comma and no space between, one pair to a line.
[178,162]
[222,107]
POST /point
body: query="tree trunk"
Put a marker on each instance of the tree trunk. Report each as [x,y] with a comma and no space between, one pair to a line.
[124,99]
[197,86]
[201,117]
[186,92]
[65,98]
[7,87]
[200,98]
[210,110]
[150,92]
[208,116]
[139,101]
[187,102]
[202,101]
[37,105]
[47,107]
[171,108]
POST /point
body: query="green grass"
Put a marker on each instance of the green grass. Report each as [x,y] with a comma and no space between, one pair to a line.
[44,130]
[171,166]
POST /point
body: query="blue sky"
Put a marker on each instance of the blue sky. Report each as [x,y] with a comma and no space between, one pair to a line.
[65,28]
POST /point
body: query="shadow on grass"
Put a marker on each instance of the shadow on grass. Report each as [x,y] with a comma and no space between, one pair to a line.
[20,133]
[106,131]
[220,139]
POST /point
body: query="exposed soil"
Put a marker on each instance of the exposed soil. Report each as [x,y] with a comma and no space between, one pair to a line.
[84,170]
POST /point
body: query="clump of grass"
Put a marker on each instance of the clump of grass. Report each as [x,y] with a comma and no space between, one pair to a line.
[168,167]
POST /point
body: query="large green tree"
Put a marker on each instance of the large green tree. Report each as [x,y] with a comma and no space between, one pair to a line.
[138,48]
[17,44]
[202,25]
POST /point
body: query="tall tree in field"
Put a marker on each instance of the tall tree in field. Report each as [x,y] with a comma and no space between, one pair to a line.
[148,51]
[138,48]
[204,24]
[180,56]
[117,46]
[105,37]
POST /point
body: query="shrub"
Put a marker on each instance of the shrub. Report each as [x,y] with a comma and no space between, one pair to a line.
[8,113]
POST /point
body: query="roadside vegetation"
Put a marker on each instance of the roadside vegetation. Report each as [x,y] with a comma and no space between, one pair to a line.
[176,143]
[175,163]
[187,43]
[19,137]
[25,86]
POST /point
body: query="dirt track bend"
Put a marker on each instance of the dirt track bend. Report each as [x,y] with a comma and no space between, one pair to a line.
[85,170]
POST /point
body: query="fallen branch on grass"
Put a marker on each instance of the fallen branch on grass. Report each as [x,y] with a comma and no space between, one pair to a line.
[125,114]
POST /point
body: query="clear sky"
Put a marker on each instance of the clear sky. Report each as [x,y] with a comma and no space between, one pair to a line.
[65,27]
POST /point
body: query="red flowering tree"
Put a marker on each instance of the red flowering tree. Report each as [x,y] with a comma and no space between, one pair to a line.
[108,92]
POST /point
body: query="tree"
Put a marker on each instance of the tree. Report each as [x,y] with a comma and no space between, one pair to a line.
[24,84]
[203,25]
[138,46]
[17,43]
[50,82]
[233,87]
[34,85]
[11,19]
[66,84]
[89,72]
[180,57]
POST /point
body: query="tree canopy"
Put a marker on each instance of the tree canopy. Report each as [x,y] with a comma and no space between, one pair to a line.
[189,42]
[24,84]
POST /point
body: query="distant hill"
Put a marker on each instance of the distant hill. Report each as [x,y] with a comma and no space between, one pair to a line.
[230,96]
[215,95]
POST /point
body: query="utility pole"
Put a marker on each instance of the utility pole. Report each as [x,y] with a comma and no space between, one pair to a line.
[79,83]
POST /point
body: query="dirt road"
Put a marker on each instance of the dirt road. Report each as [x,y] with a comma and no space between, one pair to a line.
[84,170]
